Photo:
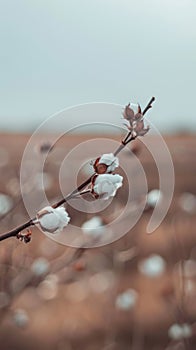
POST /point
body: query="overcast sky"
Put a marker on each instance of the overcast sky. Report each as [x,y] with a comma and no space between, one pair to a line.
[59,53]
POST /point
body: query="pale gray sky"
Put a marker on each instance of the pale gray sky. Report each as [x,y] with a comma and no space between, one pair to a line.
[59,53]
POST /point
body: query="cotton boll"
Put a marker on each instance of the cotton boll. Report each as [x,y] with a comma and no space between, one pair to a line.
[20,318]
[93,227]
[188,202]
[126,300]
[6,204]
[106,163]
[187,330]
[175,332]
[40,267]
[180,331]
[106,185]
[52,220]
[49,223]
[154,197]
[153,266]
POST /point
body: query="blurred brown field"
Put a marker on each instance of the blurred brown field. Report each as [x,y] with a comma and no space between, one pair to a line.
[69,300]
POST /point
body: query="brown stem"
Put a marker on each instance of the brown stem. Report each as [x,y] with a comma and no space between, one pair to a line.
[149,105]
[15,231]
[119,149]
[69,196]
[29,223]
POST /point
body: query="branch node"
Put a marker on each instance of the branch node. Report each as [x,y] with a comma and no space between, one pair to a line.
[24,236]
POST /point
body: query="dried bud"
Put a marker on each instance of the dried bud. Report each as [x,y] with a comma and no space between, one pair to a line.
[134,121]
[107,163]
[52,220]
[130,115]
[105,186]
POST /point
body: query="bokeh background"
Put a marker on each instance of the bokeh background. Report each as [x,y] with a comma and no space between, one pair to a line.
[138,292]
[63,53]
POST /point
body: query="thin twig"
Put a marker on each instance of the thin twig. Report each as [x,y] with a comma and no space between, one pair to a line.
[149,105]
[15,231]
[70,196]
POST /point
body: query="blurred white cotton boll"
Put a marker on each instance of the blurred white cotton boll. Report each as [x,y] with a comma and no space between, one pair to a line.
[93,227]
[154,197]
[6,204]
[175,332]
[187,330]
[153,266]
[180,331]
[20,318]
[126,300]
[52,220]
[187,202]
[40,267]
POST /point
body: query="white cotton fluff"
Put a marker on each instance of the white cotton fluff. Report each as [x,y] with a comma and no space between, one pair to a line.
[106,185]
[188,202]
[20,318]
[180,331]
[154,197]
[110,160]
[52,220]
[126,300]
[153,266]
[93,227]
[40,267]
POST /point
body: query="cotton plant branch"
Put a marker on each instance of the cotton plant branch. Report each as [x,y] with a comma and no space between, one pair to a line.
[136,128]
